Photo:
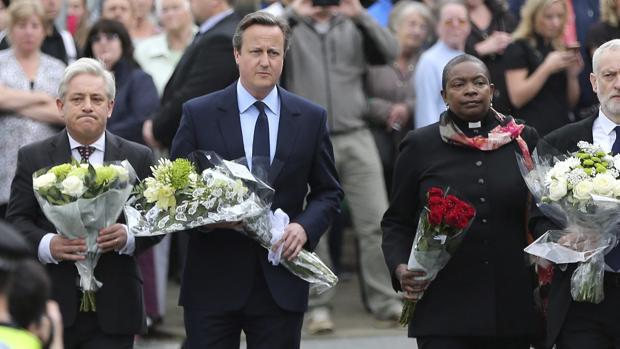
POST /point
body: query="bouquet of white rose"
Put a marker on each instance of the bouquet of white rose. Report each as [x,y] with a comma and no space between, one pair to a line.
[580,193]
[179,197]
[81,199]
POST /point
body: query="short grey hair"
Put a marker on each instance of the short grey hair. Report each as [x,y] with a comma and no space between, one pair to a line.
[405,8]
[609,45]
[87,66]
[260,18]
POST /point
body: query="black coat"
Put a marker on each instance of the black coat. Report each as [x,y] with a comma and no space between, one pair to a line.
[564,140]
[120,306]
[485,290]
[207,65]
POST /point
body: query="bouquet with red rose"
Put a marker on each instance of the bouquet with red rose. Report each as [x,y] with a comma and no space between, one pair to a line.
[442,225]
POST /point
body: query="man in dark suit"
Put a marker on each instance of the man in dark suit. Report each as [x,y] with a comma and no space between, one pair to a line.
[228,284]
[86,98]
[570,324]
[205,67]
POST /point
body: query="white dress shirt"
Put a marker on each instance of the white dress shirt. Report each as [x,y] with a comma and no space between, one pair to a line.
[249,114]
[96,158]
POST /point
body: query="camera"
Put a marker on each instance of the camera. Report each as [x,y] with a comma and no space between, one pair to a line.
[323,3]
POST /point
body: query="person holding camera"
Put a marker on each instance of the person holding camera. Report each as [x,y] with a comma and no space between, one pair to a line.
[334,42]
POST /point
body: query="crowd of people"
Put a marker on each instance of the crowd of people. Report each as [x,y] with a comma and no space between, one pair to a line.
[359,110]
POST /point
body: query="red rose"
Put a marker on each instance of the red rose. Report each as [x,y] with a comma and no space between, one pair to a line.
[435,192]
[435,201]
[453,201]
[452,218]
[435,217]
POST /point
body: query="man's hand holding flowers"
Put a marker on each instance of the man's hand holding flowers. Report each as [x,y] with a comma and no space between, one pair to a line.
[412,282]
[65,249]
[112,238]
[292,241]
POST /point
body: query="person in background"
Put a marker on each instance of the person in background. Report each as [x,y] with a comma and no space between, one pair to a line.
[332,49]
[78,23]
[453,28]
[391,96]
[118,10]
[57,42]
[491,25]
[4,16]
[136,96]
[159,55]
[483,297]
[144,25]
[607,29]
[542,76]
[28,85]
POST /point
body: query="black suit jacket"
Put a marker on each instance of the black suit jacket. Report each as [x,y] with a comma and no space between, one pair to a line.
[120,306]
[206,66]
[565,140]
[221,265]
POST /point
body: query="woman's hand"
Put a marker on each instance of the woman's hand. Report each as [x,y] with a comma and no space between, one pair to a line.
[398,117]
[576,65]
[412,282]
[496,43]
[558,60]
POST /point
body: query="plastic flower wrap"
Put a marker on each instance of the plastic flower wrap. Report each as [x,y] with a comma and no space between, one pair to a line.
[579,192]
[81,199]
[441,228]
[179,197]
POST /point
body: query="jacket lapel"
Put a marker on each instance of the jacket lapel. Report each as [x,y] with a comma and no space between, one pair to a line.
[59,151]
[287,134]
[230,124]
[113,151]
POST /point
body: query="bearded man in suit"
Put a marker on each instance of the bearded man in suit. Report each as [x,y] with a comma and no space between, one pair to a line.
[570,324]
[228,284]
[86,98]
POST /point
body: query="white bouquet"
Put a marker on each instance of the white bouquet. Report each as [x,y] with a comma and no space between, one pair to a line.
[81,199]
[580,193]
[179,197]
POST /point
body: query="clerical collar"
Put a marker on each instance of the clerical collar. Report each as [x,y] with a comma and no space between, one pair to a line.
[471,129]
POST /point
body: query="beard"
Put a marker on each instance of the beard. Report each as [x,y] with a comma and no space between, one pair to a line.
[611,106]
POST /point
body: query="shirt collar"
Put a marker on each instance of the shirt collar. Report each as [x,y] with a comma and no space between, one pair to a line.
[605,123]
[213,20]
[245,100]
[98,144]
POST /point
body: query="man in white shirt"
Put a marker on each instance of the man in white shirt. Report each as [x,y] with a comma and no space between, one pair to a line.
[86,97]
[570,324]
[452,28]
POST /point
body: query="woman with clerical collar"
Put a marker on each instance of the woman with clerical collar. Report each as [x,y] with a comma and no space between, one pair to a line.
[483,297]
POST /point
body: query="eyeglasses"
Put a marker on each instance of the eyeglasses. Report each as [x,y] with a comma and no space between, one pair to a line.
[107,36]
[455,22]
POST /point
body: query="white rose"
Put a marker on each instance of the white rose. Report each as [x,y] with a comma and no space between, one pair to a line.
[616,161]
[558,189]
[44,181]
[72,186]
[604,184]
[583,190]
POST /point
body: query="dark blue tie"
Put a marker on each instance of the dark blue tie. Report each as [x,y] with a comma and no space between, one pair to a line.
[260,147]
[612,259]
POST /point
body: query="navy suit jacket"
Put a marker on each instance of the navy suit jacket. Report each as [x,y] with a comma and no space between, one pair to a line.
[222,264]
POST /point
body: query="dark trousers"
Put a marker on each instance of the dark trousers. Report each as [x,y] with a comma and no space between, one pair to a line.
[86,334]
[265,324]
[594,326]
[435,342]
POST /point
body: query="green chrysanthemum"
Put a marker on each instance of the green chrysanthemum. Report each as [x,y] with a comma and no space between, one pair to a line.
[61,171]
[105,174]
[81,172]
[179,173]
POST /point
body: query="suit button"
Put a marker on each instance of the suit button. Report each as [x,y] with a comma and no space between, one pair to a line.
[478,163]
[480,180]
[484,221]
[483,200]
[486,262]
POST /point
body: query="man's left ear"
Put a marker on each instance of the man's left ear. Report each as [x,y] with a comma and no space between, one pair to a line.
[111,108]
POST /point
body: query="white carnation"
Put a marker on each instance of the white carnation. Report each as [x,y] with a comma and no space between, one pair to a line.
[123,174]
[44,181]
[617,188]
[72,186]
